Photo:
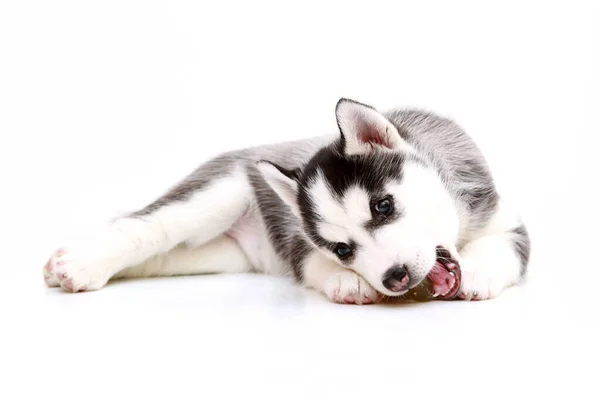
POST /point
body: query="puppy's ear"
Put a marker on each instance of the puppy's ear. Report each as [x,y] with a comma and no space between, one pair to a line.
[283,182]
[365,129]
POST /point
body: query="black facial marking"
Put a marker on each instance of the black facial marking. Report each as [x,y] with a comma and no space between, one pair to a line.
[345,257]
[383,211]
[384,206]
[333,247]
[370,172]
[343,251]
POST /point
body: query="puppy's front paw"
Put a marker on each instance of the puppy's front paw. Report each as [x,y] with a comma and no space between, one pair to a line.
[71,271]
[481,281]
[350,288]
[489,265]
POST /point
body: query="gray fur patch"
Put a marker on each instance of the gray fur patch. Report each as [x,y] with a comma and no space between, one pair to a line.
[460,164]
[283,227]
[522,246]
[289,155]
[205,174]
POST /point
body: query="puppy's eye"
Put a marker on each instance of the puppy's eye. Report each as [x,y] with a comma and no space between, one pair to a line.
[384,207]
[343,250]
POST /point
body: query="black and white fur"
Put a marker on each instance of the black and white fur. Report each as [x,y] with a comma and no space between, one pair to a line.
[290,207]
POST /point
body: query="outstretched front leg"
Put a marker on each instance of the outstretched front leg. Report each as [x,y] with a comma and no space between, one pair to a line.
[338,284]
[194,213]
[493,262]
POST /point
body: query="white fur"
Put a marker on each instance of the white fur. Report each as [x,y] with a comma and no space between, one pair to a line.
[428,220]
[221,255]
[336,282]
[489,265]
[340,217]
[488,261]
[129,242]
[250,232]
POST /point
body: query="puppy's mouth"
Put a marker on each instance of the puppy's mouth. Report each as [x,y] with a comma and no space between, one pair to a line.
[444,278]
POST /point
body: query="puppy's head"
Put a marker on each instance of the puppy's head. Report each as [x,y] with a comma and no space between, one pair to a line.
[368,202]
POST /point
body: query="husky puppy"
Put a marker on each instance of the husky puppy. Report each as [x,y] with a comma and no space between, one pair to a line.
[354,215]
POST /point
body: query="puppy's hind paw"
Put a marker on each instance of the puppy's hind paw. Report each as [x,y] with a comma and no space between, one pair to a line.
[67,269]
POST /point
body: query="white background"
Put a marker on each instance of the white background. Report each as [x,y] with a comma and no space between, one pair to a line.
[103,105]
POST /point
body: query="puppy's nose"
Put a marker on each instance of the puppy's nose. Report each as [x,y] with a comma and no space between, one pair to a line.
[396,278]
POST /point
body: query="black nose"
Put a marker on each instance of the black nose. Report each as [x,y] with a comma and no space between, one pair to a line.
[396,278]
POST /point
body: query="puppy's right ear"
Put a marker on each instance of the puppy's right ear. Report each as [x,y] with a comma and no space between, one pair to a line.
[283,182]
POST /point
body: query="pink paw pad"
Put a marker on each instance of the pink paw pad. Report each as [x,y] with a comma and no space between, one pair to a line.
[350,299]
[68,285]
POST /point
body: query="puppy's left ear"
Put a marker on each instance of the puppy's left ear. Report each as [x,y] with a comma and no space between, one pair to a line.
[364,129]
[283,182]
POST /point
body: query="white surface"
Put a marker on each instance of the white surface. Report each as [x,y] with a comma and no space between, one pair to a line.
[103,105]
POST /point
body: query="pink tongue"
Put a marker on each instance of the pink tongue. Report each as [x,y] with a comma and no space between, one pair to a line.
[441,279]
